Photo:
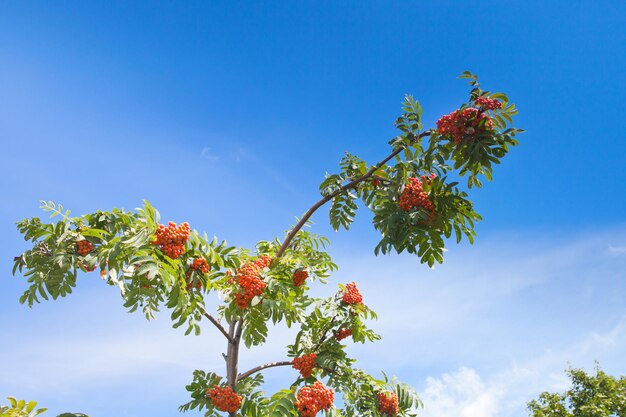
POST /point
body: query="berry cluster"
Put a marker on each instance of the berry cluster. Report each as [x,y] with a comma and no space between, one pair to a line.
[200,264]
[172,239]
[388,403]
[224,398]
[468,124]
[84,247]
[352,295]
[342,334]
[299,277]
[428,178]
[86,268]
[313,399]
[248,277]
[488,103]
[190,284]
[305,364]
[414,196]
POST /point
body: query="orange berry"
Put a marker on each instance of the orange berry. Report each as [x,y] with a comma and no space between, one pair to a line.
[84,247]
[311,400]
[342,334]
[249,279]
[388,403]
[305,364]
[352,295]
[464,125]
[414,196]
[172,239]
[299,277]
[224,398]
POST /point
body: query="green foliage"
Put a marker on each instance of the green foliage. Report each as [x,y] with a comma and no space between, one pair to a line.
[197,390]
[126,258]
[598,395]
[21,408]
[281,404]
[413,231]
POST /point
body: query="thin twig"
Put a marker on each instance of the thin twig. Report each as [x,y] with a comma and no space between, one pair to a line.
[330,371]
[324,334]
[261,367]
[216,323]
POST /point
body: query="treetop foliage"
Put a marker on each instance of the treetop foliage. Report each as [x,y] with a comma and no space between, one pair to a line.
[598,395]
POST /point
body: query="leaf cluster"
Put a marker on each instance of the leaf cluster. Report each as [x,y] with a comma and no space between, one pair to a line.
[598,395]
[379,187]
[21,408]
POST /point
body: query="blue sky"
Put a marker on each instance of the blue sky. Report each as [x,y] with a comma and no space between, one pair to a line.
[228,113]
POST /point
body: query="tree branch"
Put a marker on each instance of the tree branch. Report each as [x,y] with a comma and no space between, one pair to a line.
[233,356]
[216,323]
[239,330]
[261,367]
[231,359]
[230,354]
[324,334]
[292,233]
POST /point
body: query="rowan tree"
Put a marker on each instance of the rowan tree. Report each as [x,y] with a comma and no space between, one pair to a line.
[418,204]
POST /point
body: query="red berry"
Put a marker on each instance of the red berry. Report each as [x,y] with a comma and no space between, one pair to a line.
[305,364]
[172,239]
[466,124]
[311,400]
[299,277]
[84,247]
[414,196]
[248,278]
[342,334]
[388,403]
[488,103]
[200,264]
[352,295]
[224,398]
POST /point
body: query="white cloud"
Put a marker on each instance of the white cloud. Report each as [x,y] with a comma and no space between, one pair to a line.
[91,342]
[494,326]
[207,153]
[617,249]
[505,318]
[506,392]
[459,394]
[266,173]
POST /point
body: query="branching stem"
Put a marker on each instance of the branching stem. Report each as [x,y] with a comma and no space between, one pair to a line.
[261,367]
[324,334]
[292,233]
[217,324]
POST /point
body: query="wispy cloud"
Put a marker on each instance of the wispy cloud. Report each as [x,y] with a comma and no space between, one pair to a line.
[460,394]
[617,249]
[267,171]
[502,321]
[506,392]
[74,361]
[479,336]
[208,154]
